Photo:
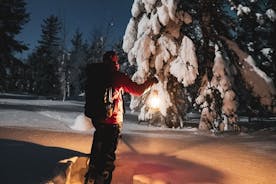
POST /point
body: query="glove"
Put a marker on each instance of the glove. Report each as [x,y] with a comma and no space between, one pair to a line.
[153,80]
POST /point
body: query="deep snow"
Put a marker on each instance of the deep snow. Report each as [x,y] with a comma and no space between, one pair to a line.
[146,152]
[67,116]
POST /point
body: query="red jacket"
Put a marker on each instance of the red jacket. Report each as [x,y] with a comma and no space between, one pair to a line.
[122,83]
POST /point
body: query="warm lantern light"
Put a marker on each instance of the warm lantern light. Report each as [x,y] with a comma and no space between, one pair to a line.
[154,100]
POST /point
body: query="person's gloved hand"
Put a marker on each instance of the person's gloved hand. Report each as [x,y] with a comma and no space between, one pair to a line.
[153,80]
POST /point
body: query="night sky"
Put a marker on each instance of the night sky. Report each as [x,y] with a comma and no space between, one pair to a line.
[87,15]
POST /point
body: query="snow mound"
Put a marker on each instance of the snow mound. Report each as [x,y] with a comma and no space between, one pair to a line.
[82,123]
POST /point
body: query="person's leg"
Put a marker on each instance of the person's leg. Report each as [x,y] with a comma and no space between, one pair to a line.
[110,156]
[96,159]
[109,147]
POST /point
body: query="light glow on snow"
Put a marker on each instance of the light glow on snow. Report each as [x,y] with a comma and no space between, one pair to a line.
[154,100]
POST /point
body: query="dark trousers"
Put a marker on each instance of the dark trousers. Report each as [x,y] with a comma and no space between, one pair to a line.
[103,149]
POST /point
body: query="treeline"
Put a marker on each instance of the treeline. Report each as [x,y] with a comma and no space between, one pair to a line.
[52,69]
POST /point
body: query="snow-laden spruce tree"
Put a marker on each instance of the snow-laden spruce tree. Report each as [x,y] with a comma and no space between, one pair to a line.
[46,60]
[77,64]
[192,47]
[13,16]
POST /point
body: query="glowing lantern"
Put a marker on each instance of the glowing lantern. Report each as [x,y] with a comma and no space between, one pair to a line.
[154,100]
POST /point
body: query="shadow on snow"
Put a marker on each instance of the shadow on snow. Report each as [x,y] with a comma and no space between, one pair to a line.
[29,163]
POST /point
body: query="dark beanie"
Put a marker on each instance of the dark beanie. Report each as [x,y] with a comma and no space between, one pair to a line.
[108,55]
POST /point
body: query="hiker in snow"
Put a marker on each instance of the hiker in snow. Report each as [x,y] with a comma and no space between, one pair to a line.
[107,120]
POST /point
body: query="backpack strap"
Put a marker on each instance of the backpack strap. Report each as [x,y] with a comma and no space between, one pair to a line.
[110,95]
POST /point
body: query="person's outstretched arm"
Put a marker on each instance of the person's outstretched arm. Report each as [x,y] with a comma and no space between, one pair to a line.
[132,87]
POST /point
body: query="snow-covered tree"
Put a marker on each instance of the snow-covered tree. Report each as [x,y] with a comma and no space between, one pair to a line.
[46,60]
[255,26]
[13,16]
[195,44]
[64,62]
[77,64]
[97,46]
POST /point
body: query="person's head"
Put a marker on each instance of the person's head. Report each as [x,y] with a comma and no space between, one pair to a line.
[111,57]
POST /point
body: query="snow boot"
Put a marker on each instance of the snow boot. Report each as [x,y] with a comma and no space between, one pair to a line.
[103,178]
[90,175]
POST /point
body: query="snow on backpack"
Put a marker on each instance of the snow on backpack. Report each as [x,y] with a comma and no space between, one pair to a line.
[98,92]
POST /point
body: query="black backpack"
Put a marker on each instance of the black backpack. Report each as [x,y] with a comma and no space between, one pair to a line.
[98,85]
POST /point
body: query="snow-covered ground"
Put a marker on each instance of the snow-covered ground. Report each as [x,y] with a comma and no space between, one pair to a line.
[145,152]
[67,116]
[64,116]
[44,114]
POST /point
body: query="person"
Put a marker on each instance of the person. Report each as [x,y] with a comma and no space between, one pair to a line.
[107,128]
